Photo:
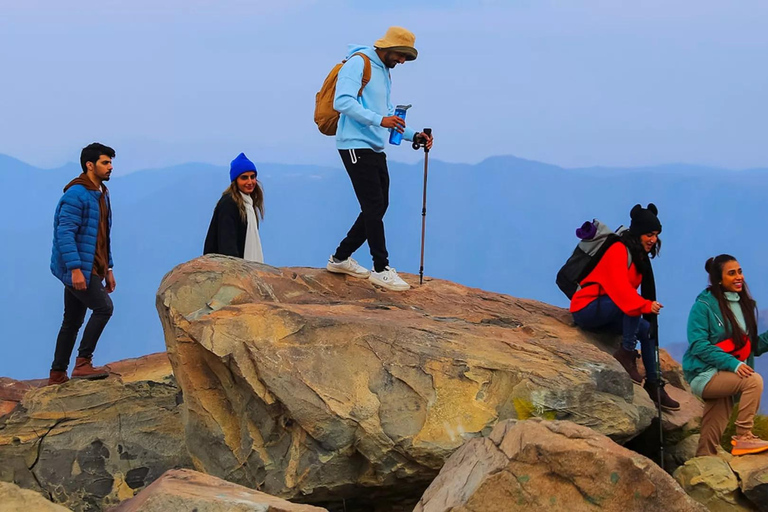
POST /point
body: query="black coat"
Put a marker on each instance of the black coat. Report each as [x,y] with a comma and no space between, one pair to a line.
[226,234]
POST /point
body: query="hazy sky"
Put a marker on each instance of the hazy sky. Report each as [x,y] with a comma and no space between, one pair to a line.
[575,83]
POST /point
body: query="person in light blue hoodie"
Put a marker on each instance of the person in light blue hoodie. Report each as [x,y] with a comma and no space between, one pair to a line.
[366,118]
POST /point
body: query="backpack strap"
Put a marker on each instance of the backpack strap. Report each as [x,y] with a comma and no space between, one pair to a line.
[613,239]
[366,71]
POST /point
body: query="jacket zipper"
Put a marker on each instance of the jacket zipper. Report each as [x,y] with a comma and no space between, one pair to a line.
[709,308]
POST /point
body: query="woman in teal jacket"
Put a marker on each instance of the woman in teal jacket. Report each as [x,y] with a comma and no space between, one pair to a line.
[722,343]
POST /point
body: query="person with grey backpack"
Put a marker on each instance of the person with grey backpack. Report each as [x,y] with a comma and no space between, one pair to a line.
[605,297]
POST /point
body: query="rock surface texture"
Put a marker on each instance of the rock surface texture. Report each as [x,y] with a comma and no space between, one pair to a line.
[538,465]
[307,384]
[91,444]
[752,471]
[183,489]
[711,482]
[15,499]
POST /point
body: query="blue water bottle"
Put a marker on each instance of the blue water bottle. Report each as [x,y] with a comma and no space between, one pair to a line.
[395,137]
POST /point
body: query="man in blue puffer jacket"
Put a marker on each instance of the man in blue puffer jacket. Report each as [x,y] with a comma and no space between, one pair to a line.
[82,260]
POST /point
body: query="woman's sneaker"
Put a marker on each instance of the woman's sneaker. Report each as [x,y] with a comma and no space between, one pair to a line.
[389,279]
[747,444]
[349,266]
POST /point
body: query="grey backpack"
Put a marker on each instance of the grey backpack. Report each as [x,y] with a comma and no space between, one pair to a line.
[596,238]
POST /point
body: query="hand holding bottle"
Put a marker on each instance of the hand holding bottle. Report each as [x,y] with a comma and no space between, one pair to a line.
[393,122]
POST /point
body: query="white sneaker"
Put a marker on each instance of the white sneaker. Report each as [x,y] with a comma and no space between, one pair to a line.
[348,266]
[389,279]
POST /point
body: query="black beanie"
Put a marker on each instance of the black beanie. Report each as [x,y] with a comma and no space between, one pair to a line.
[644,220]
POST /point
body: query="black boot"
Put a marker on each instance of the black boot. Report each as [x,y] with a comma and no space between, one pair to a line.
[655,389]
[628,360]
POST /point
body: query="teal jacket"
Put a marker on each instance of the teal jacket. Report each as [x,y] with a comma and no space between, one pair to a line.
[706,327]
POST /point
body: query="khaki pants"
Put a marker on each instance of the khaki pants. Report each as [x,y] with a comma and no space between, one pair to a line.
[718,403]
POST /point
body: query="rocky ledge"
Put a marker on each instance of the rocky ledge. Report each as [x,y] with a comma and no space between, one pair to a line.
[313,386]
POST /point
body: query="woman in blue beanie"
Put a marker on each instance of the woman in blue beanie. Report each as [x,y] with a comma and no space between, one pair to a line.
[234,229]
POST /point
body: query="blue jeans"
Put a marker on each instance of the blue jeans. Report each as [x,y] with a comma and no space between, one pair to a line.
[602,314]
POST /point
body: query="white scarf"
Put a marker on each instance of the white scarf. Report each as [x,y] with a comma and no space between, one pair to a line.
[252,240]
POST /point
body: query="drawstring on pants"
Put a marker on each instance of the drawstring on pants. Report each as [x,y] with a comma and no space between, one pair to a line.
[352,156]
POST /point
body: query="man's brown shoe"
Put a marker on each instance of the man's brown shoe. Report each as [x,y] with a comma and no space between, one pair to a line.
[57,377]
[628,359]
[85,370]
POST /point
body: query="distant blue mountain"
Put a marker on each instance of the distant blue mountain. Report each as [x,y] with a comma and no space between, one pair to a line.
[505,224]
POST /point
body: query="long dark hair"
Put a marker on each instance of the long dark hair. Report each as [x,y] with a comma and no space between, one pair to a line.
[258,200]
[714,267]
[636,248]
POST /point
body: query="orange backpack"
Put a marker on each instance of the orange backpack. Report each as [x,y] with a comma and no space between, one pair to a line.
[326,118]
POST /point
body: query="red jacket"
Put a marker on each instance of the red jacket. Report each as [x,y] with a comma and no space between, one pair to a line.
[614,279]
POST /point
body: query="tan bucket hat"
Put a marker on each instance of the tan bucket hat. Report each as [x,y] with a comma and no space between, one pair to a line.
[400,40]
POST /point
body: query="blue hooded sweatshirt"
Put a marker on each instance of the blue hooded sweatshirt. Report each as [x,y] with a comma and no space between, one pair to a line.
[360,122]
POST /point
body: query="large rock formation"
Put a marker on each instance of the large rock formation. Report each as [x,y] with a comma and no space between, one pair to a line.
[544,465]
[15,499]
[752,471]
[308,384]
[183,489]
[88,445]
[711,482]
[724,482]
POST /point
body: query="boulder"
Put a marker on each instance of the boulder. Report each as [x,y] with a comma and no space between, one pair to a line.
[183,489]
[752,471]
[551,465]
[13,498]
[710,481]
[305,383]
[12,391]
[682,451]
[90,444]
[688,418]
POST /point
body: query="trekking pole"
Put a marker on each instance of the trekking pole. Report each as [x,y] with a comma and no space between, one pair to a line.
[416,145]
[660,382]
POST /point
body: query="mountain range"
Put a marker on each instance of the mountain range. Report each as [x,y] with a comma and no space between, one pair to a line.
[505,224]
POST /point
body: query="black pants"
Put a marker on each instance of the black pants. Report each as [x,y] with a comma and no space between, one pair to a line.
[76,304]
[370,178]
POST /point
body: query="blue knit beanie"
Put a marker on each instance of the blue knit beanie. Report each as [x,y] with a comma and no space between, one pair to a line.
[240,165]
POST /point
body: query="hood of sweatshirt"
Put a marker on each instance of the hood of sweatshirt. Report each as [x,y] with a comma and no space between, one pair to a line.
[85,181]
[370,51]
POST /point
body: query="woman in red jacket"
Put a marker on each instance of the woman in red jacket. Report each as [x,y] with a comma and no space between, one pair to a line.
[608,298]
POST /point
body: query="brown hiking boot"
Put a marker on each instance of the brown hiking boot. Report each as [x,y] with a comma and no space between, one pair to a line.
[85,370]
[628,360]
[748,443]
[57,377]
[667,403]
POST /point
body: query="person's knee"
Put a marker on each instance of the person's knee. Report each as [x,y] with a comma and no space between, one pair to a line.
[105,309]
[72,321]
[376,209]
[755,381]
